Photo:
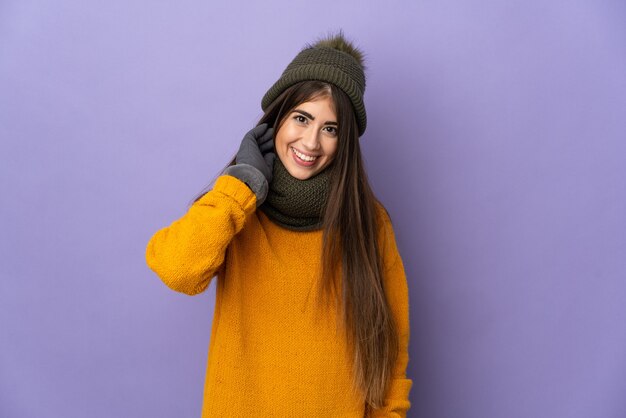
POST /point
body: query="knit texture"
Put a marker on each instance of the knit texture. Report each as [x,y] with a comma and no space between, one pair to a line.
[324,64]
[296,204]
[271,353]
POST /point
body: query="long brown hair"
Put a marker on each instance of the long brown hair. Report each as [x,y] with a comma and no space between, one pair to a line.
[350,236]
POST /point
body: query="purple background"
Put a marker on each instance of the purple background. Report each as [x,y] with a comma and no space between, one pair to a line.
[496,139]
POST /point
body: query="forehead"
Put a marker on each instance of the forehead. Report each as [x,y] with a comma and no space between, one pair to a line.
[319,105]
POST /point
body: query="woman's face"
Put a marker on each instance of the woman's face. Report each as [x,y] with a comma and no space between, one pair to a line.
[307,140]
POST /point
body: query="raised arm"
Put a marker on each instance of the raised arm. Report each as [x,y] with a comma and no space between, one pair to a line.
[187,254]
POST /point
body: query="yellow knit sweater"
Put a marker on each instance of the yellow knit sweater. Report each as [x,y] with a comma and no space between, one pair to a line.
[269,354]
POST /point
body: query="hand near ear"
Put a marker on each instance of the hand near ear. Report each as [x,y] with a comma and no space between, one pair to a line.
[255,160]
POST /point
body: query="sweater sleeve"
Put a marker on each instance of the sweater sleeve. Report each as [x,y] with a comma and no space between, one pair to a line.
[397,399]
[187,254]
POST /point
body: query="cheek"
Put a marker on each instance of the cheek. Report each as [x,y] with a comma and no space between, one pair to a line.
[279,142]
[282,139]
[331,149]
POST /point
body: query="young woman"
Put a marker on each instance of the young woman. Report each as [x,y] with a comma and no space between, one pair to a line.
[311,316]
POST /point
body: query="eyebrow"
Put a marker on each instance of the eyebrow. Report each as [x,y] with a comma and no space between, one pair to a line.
[310,116]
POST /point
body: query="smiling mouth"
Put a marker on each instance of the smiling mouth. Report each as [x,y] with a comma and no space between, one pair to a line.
[304,157]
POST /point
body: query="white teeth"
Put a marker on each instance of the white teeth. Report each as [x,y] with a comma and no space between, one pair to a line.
[302,156]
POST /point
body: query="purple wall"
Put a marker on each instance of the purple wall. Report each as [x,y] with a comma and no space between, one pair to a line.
[496,138]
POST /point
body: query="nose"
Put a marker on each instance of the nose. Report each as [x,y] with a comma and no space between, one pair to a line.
[310,139]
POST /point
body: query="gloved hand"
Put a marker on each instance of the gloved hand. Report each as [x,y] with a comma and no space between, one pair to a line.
[255,161]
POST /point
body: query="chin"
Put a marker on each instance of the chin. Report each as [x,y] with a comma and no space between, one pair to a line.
[300,174]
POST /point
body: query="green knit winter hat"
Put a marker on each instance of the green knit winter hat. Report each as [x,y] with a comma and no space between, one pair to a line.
[334,60]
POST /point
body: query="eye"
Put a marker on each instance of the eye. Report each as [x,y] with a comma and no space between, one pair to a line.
[333,130]
[300,118]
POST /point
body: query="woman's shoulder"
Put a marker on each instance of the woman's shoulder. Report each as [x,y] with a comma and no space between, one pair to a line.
[382,216]
[384,223]
[386,235]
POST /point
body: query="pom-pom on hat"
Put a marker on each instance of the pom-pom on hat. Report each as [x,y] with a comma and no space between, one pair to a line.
[334,60]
